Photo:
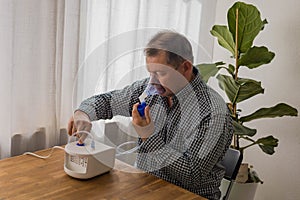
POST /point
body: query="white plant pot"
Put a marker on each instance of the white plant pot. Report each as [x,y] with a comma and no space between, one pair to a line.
[240,191]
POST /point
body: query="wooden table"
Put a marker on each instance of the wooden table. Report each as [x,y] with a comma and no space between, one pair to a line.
[27,177]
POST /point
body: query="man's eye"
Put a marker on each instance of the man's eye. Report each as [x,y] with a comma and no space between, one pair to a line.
[161,73]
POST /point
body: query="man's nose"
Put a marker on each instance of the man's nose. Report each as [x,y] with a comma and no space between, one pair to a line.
[154,79]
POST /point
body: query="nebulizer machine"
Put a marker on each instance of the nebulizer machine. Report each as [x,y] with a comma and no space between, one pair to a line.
[88,159]
[93,158]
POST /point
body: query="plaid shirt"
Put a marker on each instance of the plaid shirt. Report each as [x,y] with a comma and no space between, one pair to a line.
[190,137]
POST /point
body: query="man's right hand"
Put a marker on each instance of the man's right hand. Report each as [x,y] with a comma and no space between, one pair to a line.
[143,126]
[80,121]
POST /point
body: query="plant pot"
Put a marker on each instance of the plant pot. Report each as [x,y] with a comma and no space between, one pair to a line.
[244,191]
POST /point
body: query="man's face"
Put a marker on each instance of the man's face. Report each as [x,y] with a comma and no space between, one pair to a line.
[165,78]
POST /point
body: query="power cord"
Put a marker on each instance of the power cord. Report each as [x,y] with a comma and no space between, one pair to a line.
[44,157]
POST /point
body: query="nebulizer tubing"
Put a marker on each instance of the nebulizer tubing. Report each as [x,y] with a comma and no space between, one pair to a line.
[118,148]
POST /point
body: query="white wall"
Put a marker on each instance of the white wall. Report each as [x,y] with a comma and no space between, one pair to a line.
[281,81]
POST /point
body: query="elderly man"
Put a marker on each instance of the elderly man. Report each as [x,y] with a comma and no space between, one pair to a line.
[186,129]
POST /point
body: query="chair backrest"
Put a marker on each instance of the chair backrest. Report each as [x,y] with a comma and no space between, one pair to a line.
[232,162]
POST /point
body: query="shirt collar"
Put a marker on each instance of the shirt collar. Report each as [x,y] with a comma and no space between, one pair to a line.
[189,88]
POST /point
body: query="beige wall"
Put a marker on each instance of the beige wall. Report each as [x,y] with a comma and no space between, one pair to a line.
[281,80]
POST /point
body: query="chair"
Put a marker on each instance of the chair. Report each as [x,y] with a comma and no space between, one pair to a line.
[232,161]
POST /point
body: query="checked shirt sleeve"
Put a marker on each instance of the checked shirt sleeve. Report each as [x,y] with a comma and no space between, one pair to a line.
[117,102]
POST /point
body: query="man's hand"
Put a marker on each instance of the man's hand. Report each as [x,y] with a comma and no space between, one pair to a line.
[80,121]
[143,125]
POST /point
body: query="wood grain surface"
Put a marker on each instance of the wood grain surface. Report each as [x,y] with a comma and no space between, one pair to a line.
[27,177]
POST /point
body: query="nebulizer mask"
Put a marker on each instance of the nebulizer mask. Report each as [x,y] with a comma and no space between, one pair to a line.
[150,90]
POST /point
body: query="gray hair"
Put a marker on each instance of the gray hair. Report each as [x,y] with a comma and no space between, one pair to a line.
[177,46]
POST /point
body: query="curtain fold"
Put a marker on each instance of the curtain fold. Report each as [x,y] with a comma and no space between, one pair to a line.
[39,55]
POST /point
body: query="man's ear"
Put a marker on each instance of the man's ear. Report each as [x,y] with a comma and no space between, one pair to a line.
[187,66]
[187,70]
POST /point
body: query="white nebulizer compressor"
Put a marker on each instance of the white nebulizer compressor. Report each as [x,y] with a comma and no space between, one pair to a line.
[87,160]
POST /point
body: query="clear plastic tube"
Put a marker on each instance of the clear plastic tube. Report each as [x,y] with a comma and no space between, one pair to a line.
[132,150]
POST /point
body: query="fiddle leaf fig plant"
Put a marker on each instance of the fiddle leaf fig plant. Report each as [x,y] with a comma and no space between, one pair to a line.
[244,24]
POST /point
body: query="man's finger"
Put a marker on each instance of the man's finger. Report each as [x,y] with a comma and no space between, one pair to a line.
[147,114]
[70,126]
[135,113]
[74,130]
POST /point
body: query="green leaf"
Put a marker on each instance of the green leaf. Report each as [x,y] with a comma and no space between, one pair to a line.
[228,84]
[225,38]
[240,129]
[231,69]
[249,88]
[267,144]
[279,110]
[208,70]
[249,24]
[240,90]
[255,57]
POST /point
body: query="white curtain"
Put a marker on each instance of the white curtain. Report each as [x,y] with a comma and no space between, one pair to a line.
[39,61]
